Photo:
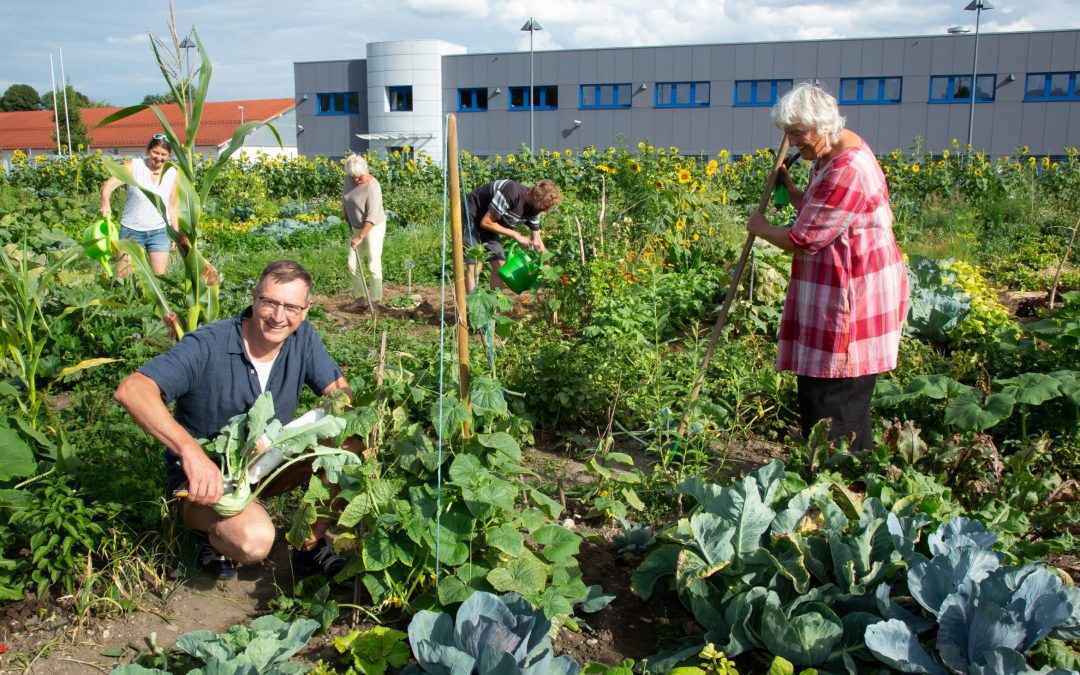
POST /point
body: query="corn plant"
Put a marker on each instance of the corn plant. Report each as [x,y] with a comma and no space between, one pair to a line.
[28,283]
[201,282]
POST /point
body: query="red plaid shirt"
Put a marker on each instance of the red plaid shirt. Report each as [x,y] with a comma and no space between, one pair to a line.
[848,294]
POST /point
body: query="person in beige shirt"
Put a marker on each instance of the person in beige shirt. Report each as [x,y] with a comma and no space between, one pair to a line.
[363,205]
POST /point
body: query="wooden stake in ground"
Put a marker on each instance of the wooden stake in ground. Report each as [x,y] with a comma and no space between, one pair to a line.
[462,321]
[1064,258]
[736,278]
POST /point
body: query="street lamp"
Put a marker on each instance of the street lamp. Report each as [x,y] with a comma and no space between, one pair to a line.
[532,25]
[241,109]
[976,6]
[187,45]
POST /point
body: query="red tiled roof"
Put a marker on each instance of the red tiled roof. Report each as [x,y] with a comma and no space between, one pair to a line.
[35,128]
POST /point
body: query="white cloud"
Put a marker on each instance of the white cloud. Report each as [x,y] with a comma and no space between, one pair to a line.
[137,39]
[474,9]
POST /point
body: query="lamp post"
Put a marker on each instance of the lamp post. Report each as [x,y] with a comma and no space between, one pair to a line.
[532,25]
[976,6]
[241,109]
[187,45]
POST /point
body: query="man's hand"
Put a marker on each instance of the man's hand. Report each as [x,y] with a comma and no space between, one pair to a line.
[355,241]
[538,243]
[523,241]
[205,483]
[105,211]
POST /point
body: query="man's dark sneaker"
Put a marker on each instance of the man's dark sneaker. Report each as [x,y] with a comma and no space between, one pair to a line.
[216,564]
[319,559]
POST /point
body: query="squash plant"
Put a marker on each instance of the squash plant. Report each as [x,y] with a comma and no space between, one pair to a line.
[427,527]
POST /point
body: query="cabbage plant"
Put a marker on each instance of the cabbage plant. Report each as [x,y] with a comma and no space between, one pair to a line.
[500,634]
[238,447]
[988,616]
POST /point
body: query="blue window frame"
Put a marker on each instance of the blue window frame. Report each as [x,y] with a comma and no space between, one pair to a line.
[546,97]
[682,95]
[472,99]
[870,90]
[1052,87]
[399,99]
[760,92]
[337,103]
[594,96]
[957,88]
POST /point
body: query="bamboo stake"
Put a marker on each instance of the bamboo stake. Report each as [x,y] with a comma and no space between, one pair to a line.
[736,278]
[1064,258]
[603,208]
[459,262]
[580,240]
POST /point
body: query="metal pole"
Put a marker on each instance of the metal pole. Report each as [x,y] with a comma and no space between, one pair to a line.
[55,102]
[974,67]
[67,116]
[532,93]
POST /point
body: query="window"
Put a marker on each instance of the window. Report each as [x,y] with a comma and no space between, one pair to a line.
[869,90]
[957,88]
[682,95]
[545,96]
[760,92]
[338,103]
[1052,87]
[472,100]
[604,96]
[399,99]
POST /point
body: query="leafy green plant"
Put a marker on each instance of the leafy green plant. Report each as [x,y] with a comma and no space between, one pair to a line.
[30,318]
[263,648]
[373,651]
[248,435]
[490,634]
[988,616]
[614,475]
[60,534]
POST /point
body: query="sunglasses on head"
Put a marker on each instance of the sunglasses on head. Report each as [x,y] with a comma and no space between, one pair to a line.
[160,137]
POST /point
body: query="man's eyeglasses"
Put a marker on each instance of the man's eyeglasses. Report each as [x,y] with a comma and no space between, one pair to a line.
[270,306]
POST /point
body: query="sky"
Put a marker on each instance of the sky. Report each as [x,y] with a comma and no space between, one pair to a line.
[252,45]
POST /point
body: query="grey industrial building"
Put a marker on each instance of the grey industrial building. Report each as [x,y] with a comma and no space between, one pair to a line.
[699,98]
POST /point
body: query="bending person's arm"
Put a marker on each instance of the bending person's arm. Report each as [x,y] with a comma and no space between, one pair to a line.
[141,397]
[492,225]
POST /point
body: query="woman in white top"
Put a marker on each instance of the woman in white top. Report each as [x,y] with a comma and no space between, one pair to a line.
[141,221]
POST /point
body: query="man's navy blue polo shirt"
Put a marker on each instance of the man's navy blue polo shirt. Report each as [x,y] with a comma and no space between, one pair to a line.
[211,379]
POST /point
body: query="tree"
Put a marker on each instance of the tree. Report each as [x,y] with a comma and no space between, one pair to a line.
[158,99]
[75,98]
[20,97]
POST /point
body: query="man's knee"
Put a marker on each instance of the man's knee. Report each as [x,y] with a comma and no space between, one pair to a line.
[248,544]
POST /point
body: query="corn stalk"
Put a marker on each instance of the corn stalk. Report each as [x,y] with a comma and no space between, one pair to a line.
[201,281]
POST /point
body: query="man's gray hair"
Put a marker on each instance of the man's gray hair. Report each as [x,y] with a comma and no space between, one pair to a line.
[356,166]
[811,106]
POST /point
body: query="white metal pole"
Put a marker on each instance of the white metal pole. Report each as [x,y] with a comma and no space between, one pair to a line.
[974,71]
[67,116]
[55,103]
[532,94]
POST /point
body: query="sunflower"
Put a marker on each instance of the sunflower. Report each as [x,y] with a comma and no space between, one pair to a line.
[684,176]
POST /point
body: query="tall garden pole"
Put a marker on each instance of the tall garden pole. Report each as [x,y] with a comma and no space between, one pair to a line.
[67,115]
[56,108]
[736,278]
[454,180]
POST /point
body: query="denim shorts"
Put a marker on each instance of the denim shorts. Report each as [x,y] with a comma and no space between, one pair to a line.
[154,241]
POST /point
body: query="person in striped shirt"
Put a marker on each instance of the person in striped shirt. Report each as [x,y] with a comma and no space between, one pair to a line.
[848,293]
[497,209]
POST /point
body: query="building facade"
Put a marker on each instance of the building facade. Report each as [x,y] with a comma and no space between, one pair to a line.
[895,92]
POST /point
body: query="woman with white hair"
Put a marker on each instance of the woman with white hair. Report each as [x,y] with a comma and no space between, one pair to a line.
[364,212]
[848,293]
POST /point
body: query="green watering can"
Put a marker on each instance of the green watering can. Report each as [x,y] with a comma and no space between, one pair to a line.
[97,242]
[521,271]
